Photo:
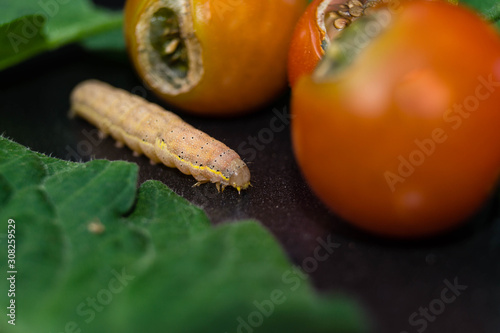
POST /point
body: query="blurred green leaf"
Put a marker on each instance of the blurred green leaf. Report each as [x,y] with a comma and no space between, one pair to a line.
[29,27]
[490,9]
[94,255]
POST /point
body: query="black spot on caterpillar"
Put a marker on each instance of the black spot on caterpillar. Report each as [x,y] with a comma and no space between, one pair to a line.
[147,128]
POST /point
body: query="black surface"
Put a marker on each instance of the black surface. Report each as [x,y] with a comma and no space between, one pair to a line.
[390,279]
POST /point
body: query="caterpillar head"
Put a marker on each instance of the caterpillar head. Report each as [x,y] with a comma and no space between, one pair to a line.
[240,175]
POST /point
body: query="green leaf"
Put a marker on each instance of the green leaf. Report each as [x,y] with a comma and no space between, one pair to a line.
[29,27]
[95,254]
[488,8]
[109,44]
[18,42]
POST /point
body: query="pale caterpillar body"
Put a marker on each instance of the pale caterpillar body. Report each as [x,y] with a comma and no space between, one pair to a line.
[161,135]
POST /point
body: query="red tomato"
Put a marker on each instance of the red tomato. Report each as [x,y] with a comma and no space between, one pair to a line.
[403,139]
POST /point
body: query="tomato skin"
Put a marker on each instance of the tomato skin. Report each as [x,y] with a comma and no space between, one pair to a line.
[405,141]
[305,48]
[244,52]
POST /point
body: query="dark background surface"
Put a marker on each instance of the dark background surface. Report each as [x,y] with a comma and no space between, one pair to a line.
[391,279]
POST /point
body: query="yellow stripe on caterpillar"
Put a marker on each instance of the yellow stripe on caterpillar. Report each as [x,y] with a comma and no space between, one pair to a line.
[162,145]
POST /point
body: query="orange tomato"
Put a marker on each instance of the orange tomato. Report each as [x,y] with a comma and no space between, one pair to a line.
[402,139]
[225,57]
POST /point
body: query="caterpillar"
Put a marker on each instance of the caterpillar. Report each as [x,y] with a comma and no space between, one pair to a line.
[159,134]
